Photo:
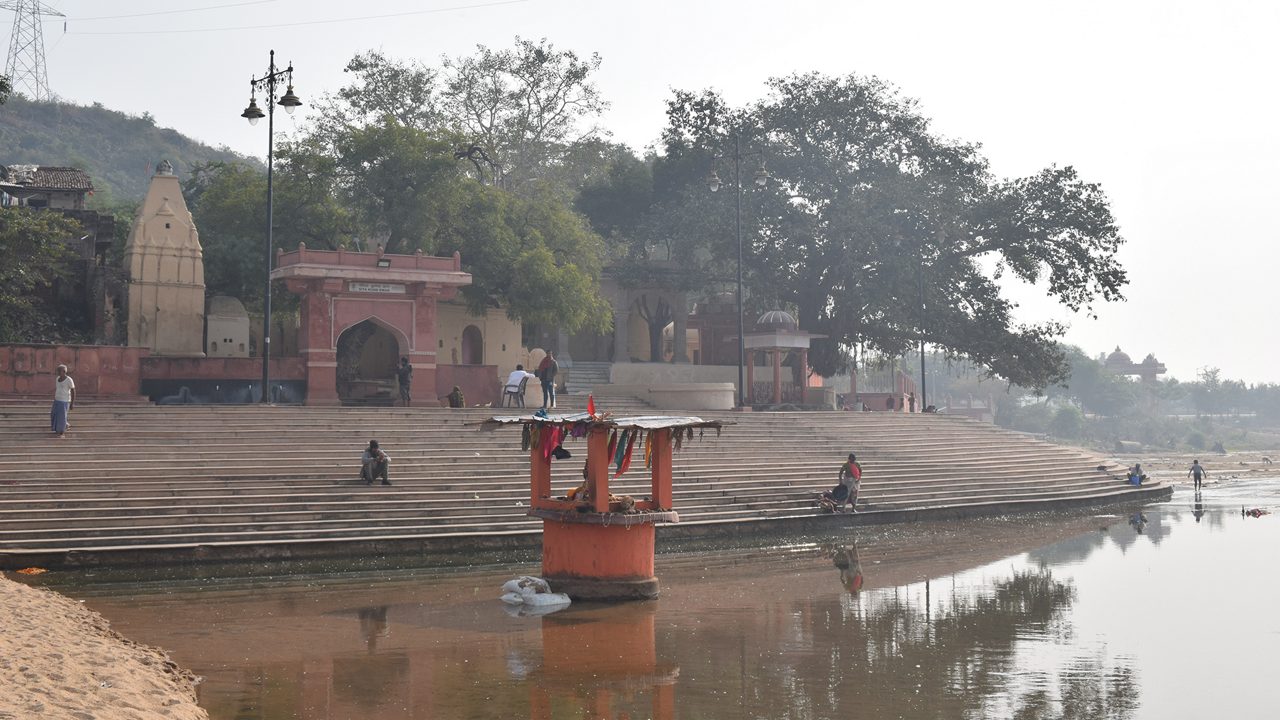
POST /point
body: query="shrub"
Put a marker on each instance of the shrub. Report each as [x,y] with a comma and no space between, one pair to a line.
[1067,423]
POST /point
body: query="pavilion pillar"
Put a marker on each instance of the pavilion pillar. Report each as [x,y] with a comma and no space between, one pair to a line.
[854,403]
[749,391]
[679,335]
[562,348]
[804,375]
[777,377]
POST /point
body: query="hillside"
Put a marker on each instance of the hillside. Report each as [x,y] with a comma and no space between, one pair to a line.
[117,150]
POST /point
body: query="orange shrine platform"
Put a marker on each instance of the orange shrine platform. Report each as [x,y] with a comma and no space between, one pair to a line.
[597,545]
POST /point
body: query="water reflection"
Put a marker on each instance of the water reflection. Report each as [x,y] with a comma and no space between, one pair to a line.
[846,559]
[1030,618]
[373,625]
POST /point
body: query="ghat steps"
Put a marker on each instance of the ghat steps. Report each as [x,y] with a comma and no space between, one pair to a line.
[173,477]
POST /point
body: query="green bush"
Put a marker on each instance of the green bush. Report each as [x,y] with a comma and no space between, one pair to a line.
[1067,423]
[1032,418]
[1195,440]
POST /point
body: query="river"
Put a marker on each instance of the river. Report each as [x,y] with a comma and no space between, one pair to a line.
[1161,612]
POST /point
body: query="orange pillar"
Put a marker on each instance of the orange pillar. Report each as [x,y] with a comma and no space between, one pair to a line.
[598,468]
[660,469]
[539,475]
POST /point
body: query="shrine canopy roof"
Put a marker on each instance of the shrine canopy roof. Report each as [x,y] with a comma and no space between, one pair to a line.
[641,422]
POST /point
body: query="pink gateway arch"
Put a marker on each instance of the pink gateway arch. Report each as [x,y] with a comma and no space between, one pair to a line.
[339,289]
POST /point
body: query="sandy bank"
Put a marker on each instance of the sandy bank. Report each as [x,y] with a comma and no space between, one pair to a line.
[60,660]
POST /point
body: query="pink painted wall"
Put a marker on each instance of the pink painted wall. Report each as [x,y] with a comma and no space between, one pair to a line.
[108,371]
[350,259]
[101,371]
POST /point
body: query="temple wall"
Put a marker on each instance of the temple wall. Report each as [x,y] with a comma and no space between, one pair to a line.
[501,336]
[99,371]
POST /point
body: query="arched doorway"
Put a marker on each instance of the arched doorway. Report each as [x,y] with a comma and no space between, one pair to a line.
[367,358]
[472,346]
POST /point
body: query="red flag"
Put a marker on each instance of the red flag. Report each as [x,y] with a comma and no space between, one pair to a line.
[591,405]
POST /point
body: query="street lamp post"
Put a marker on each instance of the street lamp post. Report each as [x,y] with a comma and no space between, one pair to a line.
[761,179]
[253,114]
[924,384]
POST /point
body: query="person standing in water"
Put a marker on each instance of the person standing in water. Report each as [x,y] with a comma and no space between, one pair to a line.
[1197,472]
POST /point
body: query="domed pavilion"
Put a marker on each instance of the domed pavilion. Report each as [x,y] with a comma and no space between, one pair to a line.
[778,334]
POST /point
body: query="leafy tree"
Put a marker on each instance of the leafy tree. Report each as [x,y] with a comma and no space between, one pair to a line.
[228,202]
[408,91]
[36,255]
[522,105]
[515,115]
[403,188]
[5,88]
[869,209]
[1208,393]
[401,183]
[616,203]
[1067,423]
[532,256]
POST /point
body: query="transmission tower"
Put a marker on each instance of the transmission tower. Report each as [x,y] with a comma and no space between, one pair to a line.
[25,66]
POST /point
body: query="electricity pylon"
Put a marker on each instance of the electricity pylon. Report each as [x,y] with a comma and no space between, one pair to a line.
[25,66]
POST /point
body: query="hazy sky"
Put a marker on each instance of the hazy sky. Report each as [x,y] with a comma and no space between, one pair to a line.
[1170,105]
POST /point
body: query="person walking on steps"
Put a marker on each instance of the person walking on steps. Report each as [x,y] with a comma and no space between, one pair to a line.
[373,463]
[404,376]
[846,491]
[64,399]
[1197,472]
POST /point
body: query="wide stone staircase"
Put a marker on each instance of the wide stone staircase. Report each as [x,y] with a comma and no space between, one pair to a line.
[582,376]
[137,479]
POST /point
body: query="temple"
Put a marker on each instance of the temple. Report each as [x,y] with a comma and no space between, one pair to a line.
[1119,363]
[166,272]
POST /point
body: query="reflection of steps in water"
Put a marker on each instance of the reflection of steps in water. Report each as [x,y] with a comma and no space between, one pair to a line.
[209,475]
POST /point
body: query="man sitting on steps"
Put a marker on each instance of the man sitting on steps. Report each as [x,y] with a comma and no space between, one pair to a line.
[374,464]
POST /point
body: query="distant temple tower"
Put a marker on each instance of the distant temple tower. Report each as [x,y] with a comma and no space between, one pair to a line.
[1119,363]
[166,272]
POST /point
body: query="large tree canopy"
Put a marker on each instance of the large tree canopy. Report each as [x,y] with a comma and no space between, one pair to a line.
[880,232]
[479,155]
[516,115]
[403,188]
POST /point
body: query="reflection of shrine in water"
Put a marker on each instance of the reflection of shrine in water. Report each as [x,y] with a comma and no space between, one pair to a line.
[604,663]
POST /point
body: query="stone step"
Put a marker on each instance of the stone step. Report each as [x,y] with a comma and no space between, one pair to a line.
[471,484]
[247,475]
[693,504]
